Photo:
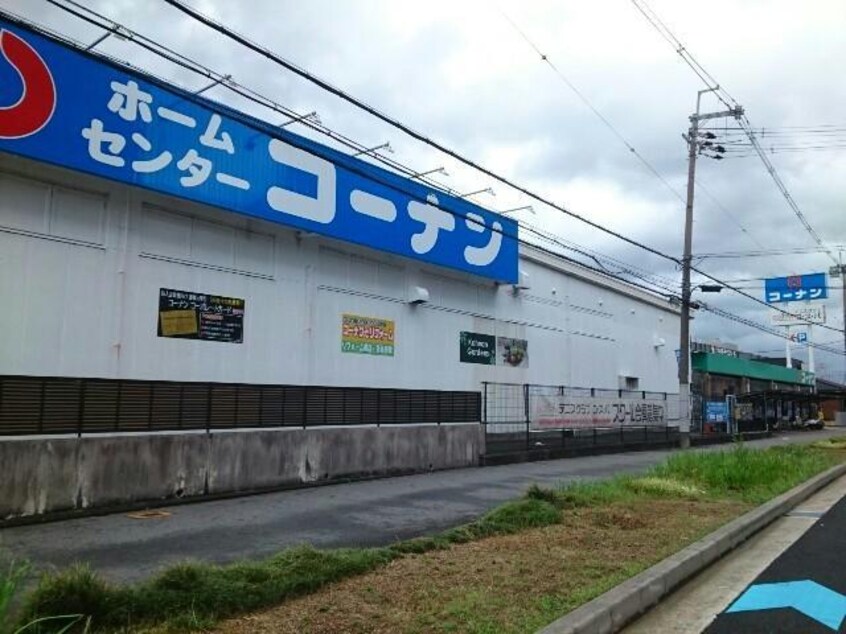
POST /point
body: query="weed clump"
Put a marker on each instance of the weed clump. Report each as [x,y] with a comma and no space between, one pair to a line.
[746,474]
[663,487]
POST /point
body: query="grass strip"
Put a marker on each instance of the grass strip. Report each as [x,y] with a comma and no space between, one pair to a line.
[195,595]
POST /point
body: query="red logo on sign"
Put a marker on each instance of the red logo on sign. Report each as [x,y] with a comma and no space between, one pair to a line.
[794,281]
[37,102]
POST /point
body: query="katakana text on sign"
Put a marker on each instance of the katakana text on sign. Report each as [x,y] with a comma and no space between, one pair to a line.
[796,288]
[137,130]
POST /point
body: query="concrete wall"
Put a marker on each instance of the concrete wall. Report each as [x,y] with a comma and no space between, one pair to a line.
[48,475]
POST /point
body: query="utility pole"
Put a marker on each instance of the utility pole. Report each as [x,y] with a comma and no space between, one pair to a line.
[840,271]
[695,146]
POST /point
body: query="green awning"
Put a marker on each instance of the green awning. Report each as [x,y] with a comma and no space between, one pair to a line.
[735,366]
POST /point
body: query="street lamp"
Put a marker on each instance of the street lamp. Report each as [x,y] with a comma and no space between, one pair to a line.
[486,190]
[528,208]
[384,146]
[312,116]
[117,31]
[220,80]
[438,170]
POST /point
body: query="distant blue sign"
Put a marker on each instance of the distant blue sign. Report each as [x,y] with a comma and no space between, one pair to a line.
[796,288]
[70,108]
[716,411]
[799,337]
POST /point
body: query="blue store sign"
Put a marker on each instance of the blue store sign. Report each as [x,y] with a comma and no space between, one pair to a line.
[716,411]
[70,108]
[796,288]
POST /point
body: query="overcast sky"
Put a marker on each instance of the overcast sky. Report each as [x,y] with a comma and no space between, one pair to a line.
[459,72]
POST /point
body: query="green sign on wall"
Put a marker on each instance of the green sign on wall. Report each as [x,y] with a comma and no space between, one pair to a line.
[477,348]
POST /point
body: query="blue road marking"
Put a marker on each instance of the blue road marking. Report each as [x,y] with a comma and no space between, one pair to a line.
[808,597]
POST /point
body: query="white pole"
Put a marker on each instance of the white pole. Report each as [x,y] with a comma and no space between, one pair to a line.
[787,362]
[810,348]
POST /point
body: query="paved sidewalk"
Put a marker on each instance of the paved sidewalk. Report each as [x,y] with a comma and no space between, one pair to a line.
[363,513]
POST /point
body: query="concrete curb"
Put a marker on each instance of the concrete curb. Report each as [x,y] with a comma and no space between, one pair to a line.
[619,606]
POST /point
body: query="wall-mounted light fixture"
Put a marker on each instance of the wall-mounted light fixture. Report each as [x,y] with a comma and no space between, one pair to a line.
[418,295]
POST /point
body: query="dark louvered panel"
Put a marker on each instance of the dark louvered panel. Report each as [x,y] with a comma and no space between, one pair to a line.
[136,406]
[272,407]
[369,406]
[224,406]
[100,406]
[196,402]
[335,406]
[432,407]
[249,406]
[353,404]
[57,405]
[387,403]
[402,405]
[295,406]
[167,398]
[60,407]
[417,412]
[20,405]
[315,406]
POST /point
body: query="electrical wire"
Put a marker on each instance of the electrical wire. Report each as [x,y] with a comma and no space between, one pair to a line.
[731,103]
[232,85]
[764,252]
[632,150]
[345,96]
[665,284]
[545,59]
[227,82]
[250,121]
[771,330]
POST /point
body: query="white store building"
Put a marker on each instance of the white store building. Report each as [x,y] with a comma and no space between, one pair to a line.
[196,302]
[84,260]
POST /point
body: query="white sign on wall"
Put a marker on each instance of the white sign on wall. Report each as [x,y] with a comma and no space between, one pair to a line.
[559,412]
[799,316]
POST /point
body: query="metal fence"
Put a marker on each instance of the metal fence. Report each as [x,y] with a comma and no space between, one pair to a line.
[59,405]
[508,410]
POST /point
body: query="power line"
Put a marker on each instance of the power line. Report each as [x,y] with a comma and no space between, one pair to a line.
[544,235]
[771,330]
[261,125]
[325,85]
[706,78]
[655,289]
[545,59]
[223,30]
[724,96]
[341,94]
[783,188]
[190,64]
[799,347]
[227,82]
[763,252]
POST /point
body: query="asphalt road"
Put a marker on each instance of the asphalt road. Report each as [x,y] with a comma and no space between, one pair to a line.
[367,513]
[802,592]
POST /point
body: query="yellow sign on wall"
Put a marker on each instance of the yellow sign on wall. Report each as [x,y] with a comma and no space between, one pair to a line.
[178,322]
[367,335]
